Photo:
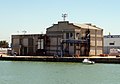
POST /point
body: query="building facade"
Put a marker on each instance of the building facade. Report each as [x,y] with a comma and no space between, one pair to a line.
[29,44]
[110,42]
[62,39]
[71,39]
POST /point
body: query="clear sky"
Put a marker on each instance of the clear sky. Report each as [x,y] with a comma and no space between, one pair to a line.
[34,16]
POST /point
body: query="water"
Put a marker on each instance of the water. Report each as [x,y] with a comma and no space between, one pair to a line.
[15,72]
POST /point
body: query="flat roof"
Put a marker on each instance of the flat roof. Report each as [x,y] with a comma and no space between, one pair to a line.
[111,36]
[87,26]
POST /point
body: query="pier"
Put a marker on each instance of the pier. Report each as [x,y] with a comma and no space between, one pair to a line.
[97,59]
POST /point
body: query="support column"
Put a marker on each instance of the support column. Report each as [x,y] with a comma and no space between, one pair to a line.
[95,42]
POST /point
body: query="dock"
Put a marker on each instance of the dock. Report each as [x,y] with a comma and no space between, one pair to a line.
[97,59]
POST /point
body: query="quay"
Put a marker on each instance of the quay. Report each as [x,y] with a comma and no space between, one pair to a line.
[97,59]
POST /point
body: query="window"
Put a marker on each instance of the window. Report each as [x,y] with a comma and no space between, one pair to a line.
[112,36]
[77,44]
[71,34]
[71,44]
[67,35]
[111,44]
[77,34]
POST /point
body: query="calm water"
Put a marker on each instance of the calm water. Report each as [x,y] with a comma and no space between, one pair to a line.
[13,72]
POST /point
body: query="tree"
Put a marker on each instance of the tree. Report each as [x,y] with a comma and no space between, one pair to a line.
[4,44]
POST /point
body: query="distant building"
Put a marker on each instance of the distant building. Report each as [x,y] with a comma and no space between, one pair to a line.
[75,39]
[29,44]
[111,42]
[5,51]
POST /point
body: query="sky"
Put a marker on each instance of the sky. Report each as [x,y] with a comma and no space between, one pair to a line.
[34,16]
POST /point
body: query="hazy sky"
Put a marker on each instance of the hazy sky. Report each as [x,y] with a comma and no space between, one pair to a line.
[35,16]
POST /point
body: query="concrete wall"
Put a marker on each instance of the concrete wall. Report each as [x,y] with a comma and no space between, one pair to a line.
[60,30]
[111,41]
[107,41]
[26,44]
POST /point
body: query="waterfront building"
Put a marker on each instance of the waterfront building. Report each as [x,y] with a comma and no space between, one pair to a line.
[62,39]
[29,44]
[70,39]
[111,42]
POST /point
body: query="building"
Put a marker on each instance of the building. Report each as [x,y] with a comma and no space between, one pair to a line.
[29,44]
[110,42]
[62,39]
[5,51]
[71,39]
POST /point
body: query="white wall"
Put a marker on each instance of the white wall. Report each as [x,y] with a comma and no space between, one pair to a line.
[111,39]
[107,41]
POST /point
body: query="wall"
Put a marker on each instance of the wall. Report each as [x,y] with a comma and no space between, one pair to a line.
[60,30]
[111,41]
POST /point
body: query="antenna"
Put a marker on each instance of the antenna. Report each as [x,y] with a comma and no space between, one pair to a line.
[24,31]
[64,16]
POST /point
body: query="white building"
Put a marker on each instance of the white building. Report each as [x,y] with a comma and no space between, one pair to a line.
[110,42]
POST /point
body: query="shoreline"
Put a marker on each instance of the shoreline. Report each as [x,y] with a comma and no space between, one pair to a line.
[109,59]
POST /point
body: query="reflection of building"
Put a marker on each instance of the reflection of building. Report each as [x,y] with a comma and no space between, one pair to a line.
[29,44]
[110,42]
[73,39]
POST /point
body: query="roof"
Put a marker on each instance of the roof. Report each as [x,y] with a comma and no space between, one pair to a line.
[83,26]
[111,36]
[87,26]
[28,34]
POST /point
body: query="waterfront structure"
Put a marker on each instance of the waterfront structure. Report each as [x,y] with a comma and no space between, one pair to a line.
[62,39]
[71,39]
[29,44]
[111,42]
[5,51]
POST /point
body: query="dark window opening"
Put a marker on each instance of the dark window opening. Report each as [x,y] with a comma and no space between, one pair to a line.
[67,35]
[77,44]
[71,34]
[111,44]
[71,44]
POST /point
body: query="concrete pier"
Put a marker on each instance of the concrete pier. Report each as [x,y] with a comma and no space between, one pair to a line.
[109,59]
